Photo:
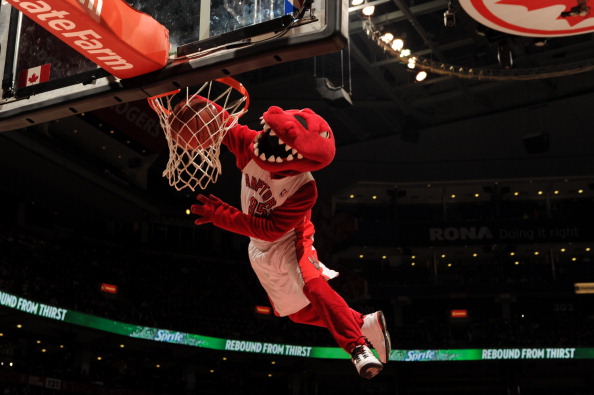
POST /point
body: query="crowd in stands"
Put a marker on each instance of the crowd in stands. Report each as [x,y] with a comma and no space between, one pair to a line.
[193,294]
[215,294]
[217,297]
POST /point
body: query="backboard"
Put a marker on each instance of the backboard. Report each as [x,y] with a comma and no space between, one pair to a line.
[44,79]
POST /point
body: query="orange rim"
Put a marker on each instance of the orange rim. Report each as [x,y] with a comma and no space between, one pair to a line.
[230,81]
[156,105]
[238,86]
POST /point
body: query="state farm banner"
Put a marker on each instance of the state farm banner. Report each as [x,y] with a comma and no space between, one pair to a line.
[118,38]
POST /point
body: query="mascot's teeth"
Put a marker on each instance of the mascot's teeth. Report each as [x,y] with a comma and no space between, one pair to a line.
[293,154]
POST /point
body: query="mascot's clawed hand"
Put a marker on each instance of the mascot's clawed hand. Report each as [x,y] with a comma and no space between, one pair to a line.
[207,209]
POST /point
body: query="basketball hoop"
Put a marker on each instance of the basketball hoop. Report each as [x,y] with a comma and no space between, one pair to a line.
[196,165]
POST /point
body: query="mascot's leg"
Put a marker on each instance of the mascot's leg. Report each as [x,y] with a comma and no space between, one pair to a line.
[373,328]
[330,310]
[308,316]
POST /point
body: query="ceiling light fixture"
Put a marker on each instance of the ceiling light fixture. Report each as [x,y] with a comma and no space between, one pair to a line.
[397,44]
[449,17]
[369,10]
[486,74]
[387,37]
[421,76]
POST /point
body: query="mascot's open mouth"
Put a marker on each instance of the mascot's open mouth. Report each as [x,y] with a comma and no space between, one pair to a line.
[269,147]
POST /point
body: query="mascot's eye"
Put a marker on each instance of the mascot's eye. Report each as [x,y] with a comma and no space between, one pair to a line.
[301,120]
[325,135]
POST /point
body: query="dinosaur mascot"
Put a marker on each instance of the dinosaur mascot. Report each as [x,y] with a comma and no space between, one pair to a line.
[277,196]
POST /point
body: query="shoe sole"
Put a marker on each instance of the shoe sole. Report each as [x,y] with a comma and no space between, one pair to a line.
[370,371]
[387,339]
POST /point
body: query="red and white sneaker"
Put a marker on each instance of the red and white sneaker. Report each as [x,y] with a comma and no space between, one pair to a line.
[366,363]
[375,330]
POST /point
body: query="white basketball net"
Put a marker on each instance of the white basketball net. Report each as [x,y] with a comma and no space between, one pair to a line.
[197,167]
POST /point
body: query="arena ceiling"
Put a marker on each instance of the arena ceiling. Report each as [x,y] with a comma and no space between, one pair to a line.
[448,128]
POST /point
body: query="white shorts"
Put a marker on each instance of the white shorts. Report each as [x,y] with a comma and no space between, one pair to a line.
[277,268]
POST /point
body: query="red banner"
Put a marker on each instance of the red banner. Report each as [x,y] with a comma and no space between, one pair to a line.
[109,288]
[459,313]
[123,41]
[264,310]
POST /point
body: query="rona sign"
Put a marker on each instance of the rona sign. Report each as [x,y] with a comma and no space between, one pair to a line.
[496,232]
[505,233]
[460,233]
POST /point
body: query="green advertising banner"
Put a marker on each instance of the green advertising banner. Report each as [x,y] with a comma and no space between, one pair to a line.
[214,343]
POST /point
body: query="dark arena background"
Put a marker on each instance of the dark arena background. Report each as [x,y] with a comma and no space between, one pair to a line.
[463,207]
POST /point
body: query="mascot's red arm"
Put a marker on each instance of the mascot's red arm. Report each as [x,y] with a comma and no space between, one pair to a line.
[279,222]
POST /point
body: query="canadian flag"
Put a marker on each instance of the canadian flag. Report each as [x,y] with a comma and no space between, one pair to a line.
[34,75]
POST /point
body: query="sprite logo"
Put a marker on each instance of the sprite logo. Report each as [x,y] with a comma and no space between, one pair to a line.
[428,355]
[169,337]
